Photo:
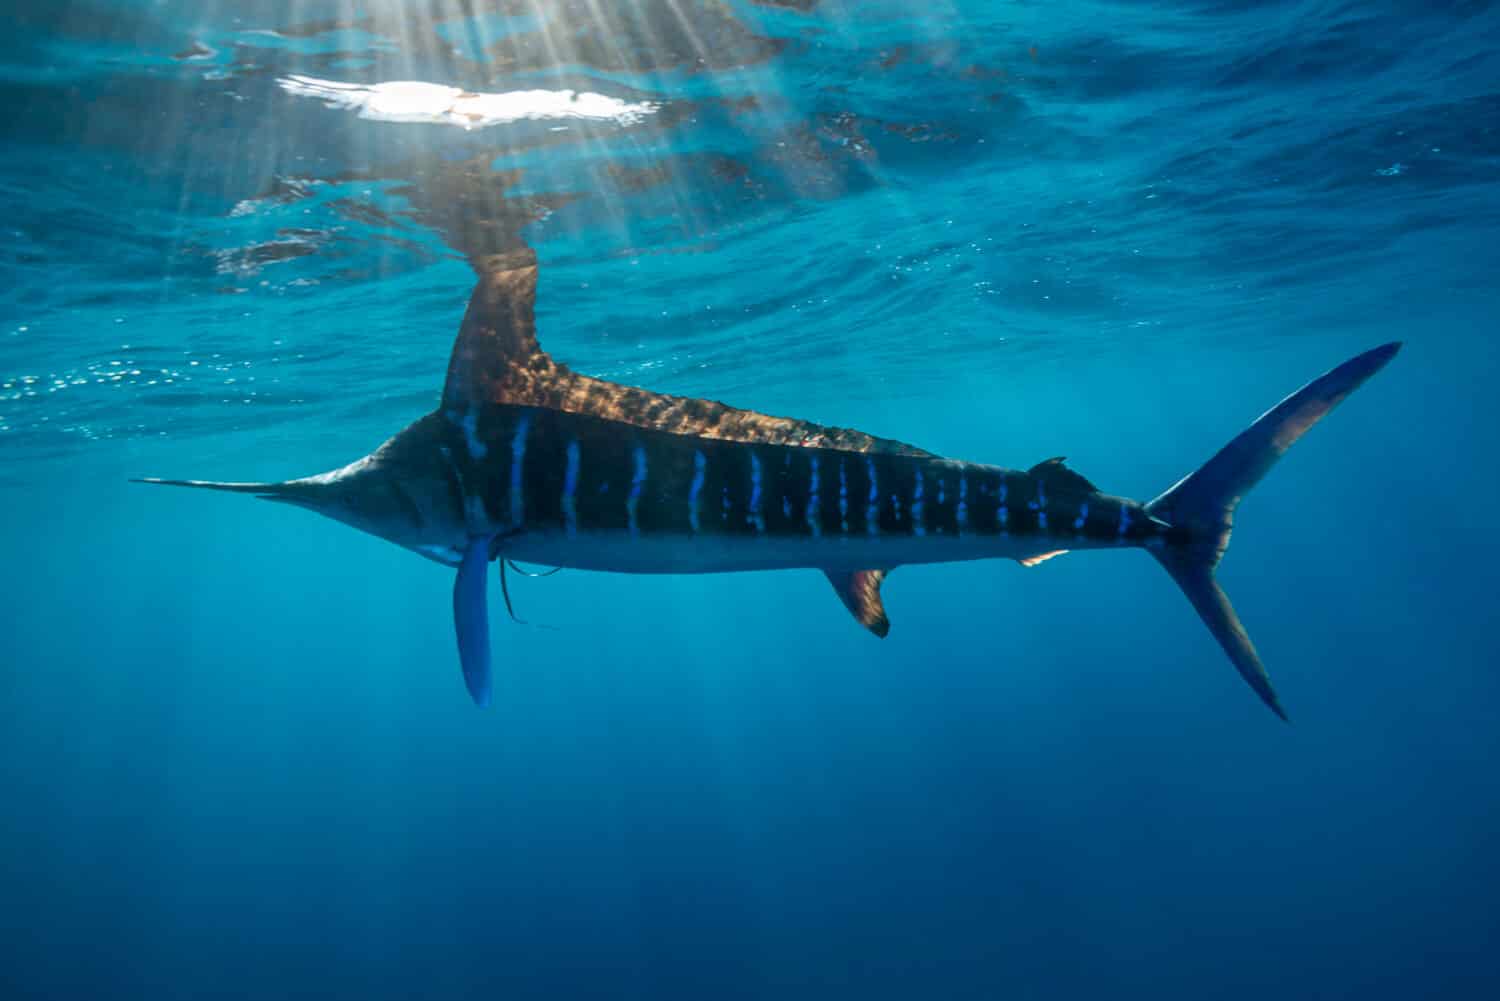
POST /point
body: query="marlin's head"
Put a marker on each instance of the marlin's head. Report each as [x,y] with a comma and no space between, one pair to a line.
[402,492]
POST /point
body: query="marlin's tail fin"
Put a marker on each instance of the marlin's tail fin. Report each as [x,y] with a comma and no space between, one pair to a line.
[1200,506]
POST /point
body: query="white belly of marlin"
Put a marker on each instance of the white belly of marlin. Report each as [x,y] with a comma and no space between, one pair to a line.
[527,460]
[688,554]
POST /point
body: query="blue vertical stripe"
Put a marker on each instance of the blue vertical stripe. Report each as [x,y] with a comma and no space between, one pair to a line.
[918,507]
[637,482]
[963,502]
[843,497]
[697,488]
[517,469]
[814,519]
[570,491]
[755,517]
[469,422]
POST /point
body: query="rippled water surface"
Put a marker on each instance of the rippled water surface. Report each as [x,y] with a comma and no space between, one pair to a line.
[236,242]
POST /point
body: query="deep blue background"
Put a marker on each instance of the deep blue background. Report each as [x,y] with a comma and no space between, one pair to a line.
[236,758]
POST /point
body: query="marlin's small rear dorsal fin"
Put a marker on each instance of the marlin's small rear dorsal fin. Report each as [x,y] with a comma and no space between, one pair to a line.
[860,592]
[1053,473]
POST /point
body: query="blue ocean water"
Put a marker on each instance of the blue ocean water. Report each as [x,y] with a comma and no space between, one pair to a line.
[236,756]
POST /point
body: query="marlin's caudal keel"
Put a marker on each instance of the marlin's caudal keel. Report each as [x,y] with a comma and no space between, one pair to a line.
[525,459]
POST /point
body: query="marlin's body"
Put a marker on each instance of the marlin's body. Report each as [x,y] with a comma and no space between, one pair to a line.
[572,490]
[527,460]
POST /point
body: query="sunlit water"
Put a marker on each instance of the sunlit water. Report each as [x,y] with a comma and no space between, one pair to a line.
[236,758]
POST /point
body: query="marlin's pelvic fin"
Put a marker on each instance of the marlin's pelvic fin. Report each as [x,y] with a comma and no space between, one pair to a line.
[471,619]
[1200,507]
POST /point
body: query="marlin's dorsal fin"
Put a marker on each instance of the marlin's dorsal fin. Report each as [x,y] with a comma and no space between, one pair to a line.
[496,357]
[860,592]
[498,360]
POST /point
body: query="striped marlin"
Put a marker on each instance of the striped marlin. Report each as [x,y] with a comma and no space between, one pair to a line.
[525,459]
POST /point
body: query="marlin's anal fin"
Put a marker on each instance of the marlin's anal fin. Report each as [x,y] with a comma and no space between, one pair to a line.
[860,592]
[471,619]
[1031,561]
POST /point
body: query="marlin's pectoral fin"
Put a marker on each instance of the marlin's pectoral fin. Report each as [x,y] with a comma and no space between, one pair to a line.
[860,593]
[471,619]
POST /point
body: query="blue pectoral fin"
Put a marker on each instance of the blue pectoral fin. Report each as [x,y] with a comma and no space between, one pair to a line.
[471,619]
